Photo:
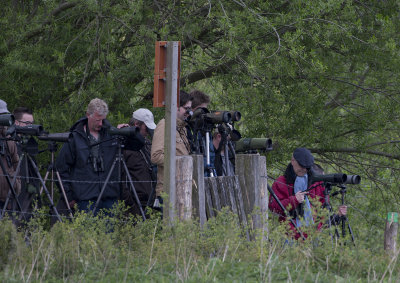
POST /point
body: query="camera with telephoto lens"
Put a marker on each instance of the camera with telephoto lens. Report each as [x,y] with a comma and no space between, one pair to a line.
[131,137]
[353,179]
[203,119]
[253,144]
[56,137]
[236,116]
[337,178]
[28,130]
[7,120]
[227,130]
[125,131]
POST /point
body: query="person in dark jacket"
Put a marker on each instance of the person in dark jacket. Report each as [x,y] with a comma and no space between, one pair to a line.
[30,183]
[86,159]
[139,163]
[9,160]
[290,190]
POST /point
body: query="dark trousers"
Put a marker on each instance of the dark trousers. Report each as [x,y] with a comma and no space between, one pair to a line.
[88,205]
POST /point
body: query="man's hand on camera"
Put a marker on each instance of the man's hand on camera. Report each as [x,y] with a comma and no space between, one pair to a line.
[300,196]
[122,126]
[342,210]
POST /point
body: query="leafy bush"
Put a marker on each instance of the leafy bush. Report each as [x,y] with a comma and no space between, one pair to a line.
[123,248]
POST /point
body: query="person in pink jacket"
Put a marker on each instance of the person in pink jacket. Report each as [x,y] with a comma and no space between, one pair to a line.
[297,195]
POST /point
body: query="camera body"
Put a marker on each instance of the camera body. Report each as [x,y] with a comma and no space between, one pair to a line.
[7,120]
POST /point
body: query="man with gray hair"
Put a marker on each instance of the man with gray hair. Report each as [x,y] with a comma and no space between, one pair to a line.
[85,160]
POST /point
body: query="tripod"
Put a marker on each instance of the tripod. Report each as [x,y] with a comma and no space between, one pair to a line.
[202,145]
[327,204]
[119,159]
[31,148]
[228,149]
[52,147]
[284,211]
[343,219]
[10,183]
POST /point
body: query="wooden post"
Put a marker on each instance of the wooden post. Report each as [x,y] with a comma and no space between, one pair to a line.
[198,196]
[390,235]
[184,173]
[252,173]
[170,129]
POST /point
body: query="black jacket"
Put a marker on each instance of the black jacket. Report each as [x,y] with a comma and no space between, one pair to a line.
[74,163]
[141,171]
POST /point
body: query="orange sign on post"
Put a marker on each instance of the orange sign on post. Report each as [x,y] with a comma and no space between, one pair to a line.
[160,73]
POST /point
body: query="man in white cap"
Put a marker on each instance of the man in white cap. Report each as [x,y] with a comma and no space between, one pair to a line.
[138,162]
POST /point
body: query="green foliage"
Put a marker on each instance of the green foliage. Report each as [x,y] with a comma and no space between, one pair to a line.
[86,249]
[320,74]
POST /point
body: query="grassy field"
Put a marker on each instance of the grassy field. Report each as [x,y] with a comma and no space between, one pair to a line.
[109,250]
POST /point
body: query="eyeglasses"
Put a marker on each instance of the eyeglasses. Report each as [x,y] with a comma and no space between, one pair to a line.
[187,108]
[26,122]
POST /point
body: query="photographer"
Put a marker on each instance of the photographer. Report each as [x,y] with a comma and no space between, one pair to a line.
[198,142]
[85,160]
[30,184]
[291,188]
[138,161]
[9,161]
[182,143]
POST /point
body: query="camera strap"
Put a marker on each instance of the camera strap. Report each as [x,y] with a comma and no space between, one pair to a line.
[94,146]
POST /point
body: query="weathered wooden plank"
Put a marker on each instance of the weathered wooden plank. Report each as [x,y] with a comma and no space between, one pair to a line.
[221,185]
[198,195]
[214,193]
[240,205]
[184,171]
[209,204]
[230,190]
[390,235]
[252,172]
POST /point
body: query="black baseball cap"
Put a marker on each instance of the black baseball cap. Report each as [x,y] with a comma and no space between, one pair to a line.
[304,157]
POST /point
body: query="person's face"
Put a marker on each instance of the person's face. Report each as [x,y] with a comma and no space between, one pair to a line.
[142,128]
[95,122]
[298,169]
[182,110]
[217,139]
[26,120]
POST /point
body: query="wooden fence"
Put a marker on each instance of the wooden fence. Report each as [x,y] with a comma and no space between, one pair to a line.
[245,194]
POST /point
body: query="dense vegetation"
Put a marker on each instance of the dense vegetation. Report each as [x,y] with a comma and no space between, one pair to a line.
[320,74]
[86,250]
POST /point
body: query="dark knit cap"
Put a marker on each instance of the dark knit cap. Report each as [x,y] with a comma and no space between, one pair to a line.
[304,157]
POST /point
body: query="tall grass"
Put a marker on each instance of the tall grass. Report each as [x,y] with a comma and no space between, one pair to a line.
[124,249]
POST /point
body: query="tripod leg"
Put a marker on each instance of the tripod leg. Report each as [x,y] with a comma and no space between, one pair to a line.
[104,186]
[63,193]
[153,191]
[44,180]
[133,190]
[11,185]
[349,227]
[52,206]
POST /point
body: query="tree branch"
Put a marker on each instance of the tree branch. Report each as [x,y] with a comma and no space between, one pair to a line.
[356,150]
[61,8]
